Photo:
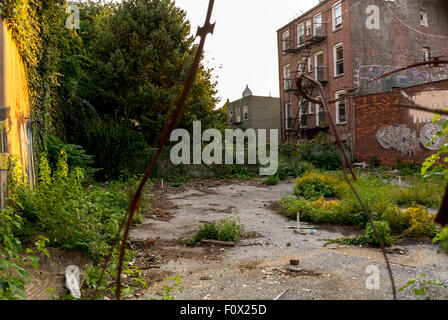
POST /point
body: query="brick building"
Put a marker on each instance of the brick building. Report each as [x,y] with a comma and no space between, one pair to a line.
[390,132]
[346,43]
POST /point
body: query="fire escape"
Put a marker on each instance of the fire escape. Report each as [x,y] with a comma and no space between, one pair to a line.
[301,124]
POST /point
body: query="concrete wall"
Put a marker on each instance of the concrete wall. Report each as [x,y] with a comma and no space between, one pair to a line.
[389,132]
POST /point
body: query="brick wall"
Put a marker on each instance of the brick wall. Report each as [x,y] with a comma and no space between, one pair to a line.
[376,111]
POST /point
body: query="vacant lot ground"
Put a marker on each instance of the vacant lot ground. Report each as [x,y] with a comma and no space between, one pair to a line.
[258,267]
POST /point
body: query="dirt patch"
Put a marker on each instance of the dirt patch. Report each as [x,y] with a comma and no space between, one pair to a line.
[251,235]
[49,279]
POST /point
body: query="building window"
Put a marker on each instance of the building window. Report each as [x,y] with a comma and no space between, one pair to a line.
[302,65]
[288,116]
[286,77]
[320,116]
[310,64]
[337,16]
[311,108]
[309,25]
[426,54]
[246,113]
[338,60]
[302,114]
[286,42]
[238,115]
[423,18]
[341,108]
[318,25]
[300,35]
[319,66]
[230,116]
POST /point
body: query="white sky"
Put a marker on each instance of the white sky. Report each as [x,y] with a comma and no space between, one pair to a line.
[243,48]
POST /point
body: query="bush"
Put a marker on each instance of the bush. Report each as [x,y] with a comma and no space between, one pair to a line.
[322,154]
[70,216]
[271,180]
[408,168]
[227,229]
[384,231]
[313,185]
[422,223]
[442,237]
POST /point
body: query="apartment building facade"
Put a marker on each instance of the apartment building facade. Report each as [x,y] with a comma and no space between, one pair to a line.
[347,43]
[255,112]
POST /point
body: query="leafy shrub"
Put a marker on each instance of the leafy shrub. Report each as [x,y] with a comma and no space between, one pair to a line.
[383,230]
[76,155]
[70,216]
[408,168]
[313,185]
[293,168]
[271,180]
[442,237]
[422,223]
[228,229]
[322,154]
[374,161]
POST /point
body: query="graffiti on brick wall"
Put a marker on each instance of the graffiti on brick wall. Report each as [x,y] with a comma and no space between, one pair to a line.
[405,140]
[406,78]
[426,137]
[399,138]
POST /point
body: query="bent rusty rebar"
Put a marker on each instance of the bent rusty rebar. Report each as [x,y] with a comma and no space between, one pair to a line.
[169,126]
[343,156]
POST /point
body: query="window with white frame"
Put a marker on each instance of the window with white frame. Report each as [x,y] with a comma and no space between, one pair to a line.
[246,113]
[320,115]
[286,42]
[288,116]
[309,25]
[311,107]
[341,108]
[337,16]
[303,114]
[426,54]
[338,60]
[302,65]
[318,25]
[300,35]
[319,62]
[423,18]
[310,64]
[286,77]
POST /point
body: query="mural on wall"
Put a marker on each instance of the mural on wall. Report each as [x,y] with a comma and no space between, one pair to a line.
[405,140]
[426,135]
[399,138]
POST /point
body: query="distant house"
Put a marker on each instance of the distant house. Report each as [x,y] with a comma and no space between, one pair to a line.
[254,112]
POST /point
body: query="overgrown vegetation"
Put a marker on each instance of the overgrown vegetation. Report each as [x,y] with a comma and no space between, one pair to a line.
[426,289]
[227,229]
[326,198]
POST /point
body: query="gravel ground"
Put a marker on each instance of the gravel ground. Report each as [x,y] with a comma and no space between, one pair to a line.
[259,266]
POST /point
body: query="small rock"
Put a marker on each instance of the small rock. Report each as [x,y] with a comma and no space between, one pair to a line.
[294,262]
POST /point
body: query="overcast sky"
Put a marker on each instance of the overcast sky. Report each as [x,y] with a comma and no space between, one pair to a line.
[243,49]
